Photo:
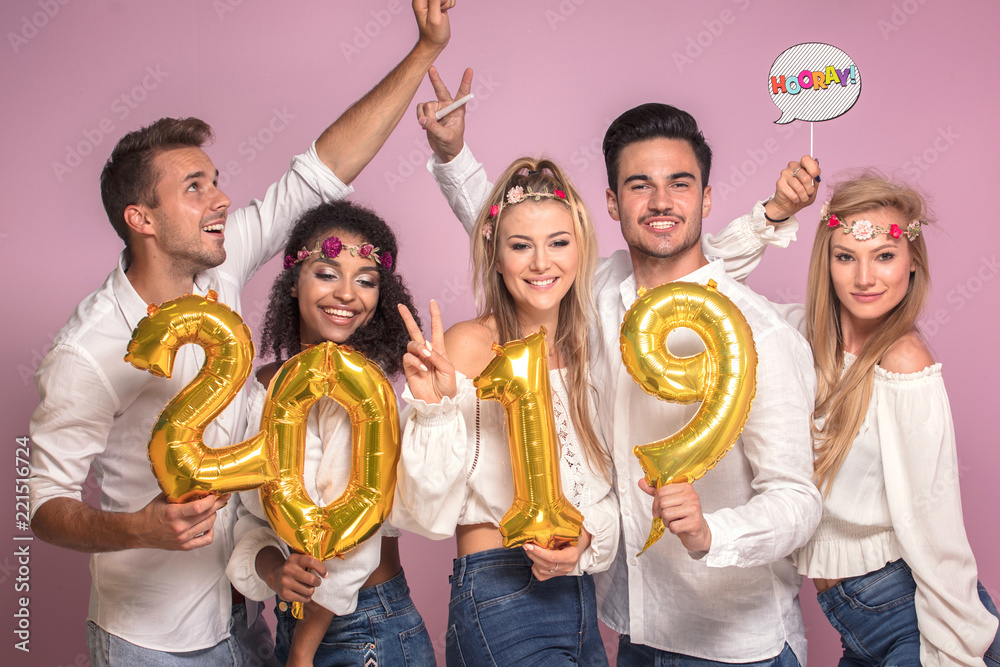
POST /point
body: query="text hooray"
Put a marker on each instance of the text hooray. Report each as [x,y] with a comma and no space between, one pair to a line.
[815,80]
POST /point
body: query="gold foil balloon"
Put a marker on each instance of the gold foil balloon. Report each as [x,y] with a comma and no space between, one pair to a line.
[723,377]
[363,390]
[184,466]
[519,379]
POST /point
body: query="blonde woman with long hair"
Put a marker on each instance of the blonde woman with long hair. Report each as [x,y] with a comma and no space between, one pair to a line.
[890,560]
[534,253]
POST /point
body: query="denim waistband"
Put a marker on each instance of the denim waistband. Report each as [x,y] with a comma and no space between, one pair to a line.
[490,558]
[383,595]
[851,586]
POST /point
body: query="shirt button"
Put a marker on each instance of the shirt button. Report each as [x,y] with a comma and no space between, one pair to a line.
[633,562]
[283,606]
[626,512]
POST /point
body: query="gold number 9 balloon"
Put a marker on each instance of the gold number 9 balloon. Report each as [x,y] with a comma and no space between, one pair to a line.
[184,466]
[518,377]
[363,390]
[723,377]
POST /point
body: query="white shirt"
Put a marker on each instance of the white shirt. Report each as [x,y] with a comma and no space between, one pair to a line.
[739,602]
[98,411]
[455,470]
[326,470]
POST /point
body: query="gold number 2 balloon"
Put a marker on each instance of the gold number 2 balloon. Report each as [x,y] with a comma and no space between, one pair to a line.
[518,377]
[723,377]
[363,390]
[184,466]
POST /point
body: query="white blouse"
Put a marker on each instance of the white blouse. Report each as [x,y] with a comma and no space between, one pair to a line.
[897,496]
[455,470]
[326,472]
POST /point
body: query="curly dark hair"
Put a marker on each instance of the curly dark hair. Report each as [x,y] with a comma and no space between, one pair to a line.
[383,339]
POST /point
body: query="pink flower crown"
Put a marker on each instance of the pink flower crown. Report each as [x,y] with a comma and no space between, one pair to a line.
[516,195]
[864,230]
[331,247]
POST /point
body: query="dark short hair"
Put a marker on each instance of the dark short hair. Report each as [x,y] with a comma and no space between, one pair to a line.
[129,176]
[654,121]
[383,339]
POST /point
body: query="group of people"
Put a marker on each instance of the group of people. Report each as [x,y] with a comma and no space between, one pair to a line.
[845,471]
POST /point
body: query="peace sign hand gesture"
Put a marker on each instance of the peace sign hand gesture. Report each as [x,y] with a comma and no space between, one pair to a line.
[429,373]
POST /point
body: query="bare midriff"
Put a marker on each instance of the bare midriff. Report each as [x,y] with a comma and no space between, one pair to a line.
[389,566]
[477,537]
[823,585]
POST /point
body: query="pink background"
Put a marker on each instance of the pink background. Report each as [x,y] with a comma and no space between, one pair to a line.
[550,76]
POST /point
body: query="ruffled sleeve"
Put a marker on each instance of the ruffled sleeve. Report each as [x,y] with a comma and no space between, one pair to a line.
[601,521]
[742,243]
[917,440]
[431,479]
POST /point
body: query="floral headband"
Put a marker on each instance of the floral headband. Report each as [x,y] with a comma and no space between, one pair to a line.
[863,230]
[516,195]
[332,247]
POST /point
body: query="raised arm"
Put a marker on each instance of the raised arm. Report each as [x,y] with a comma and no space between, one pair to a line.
[352,141]
[742,243]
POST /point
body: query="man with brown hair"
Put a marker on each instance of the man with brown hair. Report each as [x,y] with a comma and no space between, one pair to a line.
[159,593]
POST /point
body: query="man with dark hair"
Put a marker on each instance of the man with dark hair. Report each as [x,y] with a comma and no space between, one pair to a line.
[724,590]
[159,593]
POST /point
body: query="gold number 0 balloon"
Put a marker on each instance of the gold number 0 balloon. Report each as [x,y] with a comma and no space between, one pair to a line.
[723,377]
[185,468]
[518,377]
[360,386]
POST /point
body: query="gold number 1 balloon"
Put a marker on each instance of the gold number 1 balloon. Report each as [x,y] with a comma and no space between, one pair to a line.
[518,377]
[184,466]
[723,377]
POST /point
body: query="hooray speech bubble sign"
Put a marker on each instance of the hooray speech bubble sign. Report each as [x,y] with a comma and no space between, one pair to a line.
[813,82]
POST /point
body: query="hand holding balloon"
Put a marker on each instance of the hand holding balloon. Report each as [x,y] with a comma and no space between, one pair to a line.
[550,563]
[294,579]
[677,505]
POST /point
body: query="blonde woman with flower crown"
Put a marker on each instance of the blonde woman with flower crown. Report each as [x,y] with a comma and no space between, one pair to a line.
[890,560]
[534,255]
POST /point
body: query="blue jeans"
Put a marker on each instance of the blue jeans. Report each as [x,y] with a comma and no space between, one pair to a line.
[877,619]
[385,629]
[245,647]
[632,655]
[500,615]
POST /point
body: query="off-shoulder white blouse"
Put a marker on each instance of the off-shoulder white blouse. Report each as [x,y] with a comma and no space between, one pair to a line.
[326,472]
[448,476]
[897,496]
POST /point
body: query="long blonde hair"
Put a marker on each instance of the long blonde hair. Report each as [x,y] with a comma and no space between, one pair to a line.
[577,311]
[842,396]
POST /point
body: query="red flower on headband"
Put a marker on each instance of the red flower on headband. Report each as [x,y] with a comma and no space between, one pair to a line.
[387,261]
[289,262]
[332,247]
[303,255]
[365,249]
[894,231]
[833,222]
[494,211]
[560,194]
